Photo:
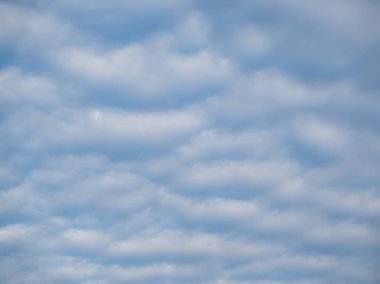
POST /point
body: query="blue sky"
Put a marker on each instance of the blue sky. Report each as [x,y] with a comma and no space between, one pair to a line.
[208,142]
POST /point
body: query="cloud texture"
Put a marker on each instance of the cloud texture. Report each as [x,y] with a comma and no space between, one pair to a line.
[211,142]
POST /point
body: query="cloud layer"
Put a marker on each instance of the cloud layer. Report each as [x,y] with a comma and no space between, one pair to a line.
[189,142]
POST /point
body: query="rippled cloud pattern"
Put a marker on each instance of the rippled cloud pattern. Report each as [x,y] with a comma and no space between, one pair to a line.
[205,142]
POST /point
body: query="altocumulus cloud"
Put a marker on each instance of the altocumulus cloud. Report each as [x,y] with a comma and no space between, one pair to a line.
[215,142]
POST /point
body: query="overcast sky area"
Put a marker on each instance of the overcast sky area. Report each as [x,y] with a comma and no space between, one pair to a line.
[194,142]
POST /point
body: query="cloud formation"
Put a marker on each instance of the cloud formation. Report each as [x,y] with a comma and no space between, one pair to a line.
[189,142]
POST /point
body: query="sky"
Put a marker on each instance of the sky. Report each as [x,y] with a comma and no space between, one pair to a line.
[205,142]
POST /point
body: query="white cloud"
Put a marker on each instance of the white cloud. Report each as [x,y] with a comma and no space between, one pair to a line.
[96,127]
[15,235]
[148,126]
[34,30]
[27,89]
[237,172]
[218,143]
[24,200]
[140,70]
[85,239]
[250,41]
[323,135]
